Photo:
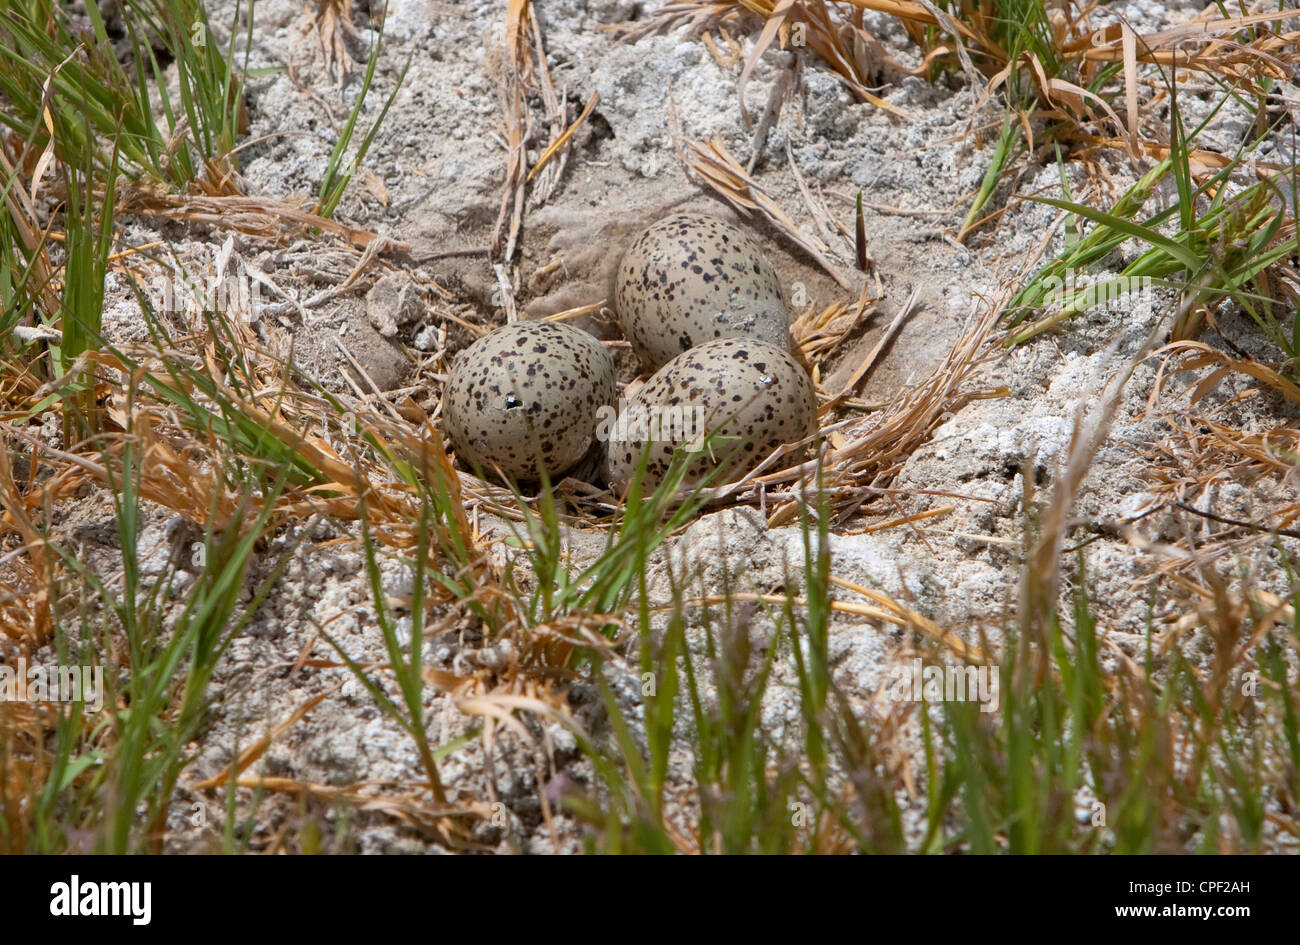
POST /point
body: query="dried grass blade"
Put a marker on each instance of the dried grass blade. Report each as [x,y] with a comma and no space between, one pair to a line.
[556,146]
[259,747]
[775,20]
[1202,355]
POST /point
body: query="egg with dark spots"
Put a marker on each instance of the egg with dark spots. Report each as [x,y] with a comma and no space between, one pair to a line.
[746,396]
[691,279]
[525,398]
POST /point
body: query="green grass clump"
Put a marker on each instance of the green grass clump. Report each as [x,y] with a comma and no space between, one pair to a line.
[68,91]
[339,170]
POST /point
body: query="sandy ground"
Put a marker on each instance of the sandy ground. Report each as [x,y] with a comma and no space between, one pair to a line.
[434,180]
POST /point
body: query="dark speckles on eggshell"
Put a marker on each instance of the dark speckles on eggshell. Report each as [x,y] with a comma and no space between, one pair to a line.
[690,277]
[757,410]
[527,393]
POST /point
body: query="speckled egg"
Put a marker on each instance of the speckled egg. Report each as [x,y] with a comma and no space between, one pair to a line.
[689,279]
[527,392]
[753,394]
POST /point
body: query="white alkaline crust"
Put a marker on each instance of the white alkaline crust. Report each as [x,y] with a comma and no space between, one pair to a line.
[525,398]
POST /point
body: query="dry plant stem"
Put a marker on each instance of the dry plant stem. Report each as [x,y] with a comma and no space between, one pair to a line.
[561,142]
[518,125]
[721,172]
[256,216]
[851,384]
